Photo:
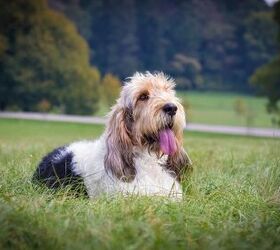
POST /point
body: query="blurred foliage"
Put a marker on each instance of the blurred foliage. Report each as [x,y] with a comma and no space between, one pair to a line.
[110,89]
[187,71]
[267,77]
[243,110]
[206,44]
[44,106]
[44,62]
[240,106]
[3,45]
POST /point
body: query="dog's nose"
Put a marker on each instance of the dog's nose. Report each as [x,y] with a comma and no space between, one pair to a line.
[170,109]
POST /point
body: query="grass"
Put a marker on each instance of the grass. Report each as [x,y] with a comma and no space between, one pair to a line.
[218,108]
[231,201]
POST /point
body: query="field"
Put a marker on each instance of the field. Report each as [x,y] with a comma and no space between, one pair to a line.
[231,201]
[218,108]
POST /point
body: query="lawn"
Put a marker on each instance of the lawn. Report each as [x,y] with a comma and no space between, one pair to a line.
[231,201]
[218,108]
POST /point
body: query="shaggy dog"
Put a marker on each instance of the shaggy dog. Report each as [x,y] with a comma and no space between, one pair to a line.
[140,152]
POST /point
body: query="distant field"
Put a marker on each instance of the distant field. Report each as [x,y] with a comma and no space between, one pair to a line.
[218,108]
[231,201]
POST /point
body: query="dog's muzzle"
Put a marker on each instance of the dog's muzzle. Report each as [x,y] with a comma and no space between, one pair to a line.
[170,109]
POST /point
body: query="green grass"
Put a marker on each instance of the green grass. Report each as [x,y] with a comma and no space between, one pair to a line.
[218,108]
[231,201]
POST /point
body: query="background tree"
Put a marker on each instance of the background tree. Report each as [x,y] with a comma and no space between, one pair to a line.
[44,58]
[228,39]
[110,89]
[187,71]
[207,44]
[267,77]
[4,88]
[242,109]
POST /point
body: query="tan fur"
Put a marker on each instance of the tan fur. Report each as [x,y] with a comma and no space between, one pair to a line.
[119,157]
[132,121]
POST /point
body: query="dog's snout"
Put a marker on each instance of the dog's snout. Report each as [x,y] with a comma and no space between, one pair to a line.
[170,109]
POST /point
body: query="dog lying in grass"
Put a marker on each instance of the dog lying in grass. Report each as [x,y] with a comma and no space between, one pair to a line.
[141,151]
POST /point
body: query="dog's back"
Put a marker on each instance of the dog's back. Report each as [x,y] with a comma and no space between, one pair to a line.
[56,169]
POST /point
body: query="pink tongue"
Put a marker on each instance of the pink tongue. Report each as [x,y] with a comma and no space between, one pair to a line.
[167,142]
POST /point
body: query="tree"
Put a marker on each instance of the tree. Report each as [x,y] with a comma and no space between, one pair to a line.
[45,59]
[111,87]
[228,39]
[187,71]
[243,110]
[4,88]
[267,77]
[3,45]
[259,39]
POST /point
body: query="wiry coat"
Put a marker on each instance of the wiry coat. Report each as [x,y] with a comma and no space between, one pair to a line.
[127,158]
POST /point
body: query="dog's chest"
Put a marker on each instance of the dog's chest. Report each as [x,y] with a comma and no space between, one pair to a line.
[150,168]
[152,178]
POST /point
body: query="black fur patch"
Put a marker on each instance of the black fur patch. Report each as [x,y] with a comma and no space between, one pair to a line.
[56,170]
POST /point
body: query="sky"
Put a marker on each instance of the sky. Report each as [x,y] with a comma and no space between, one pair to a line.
[270,2]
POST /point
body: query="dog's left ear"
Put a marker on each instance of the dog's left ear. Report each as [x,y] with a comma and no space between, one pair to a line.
[119,158]
[180,162]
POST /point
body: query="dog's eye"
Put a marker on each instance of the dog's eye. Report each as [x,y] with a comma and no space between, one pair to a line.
[144,97]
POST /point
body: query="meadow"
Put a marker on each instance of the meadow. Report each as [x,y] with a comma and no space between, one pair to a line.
[218,108]
[231,200]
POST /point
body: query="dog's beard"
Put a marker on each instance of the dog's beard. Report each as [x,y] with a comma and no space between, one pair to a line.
[150,141]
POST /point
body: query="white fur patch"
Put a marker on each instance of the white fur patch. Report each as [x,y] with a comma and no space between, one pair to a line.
[151,177]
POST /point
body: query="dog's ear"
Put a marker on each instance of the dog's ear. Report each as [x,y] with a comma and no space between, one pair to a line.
[180,162]
[119,158]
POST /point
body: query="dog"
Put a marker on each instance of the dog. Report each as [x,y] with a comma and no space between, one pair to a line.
[141,151]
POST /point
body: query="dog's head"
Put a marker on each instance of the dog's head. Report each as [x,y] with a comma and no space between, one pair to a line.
[147,116]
